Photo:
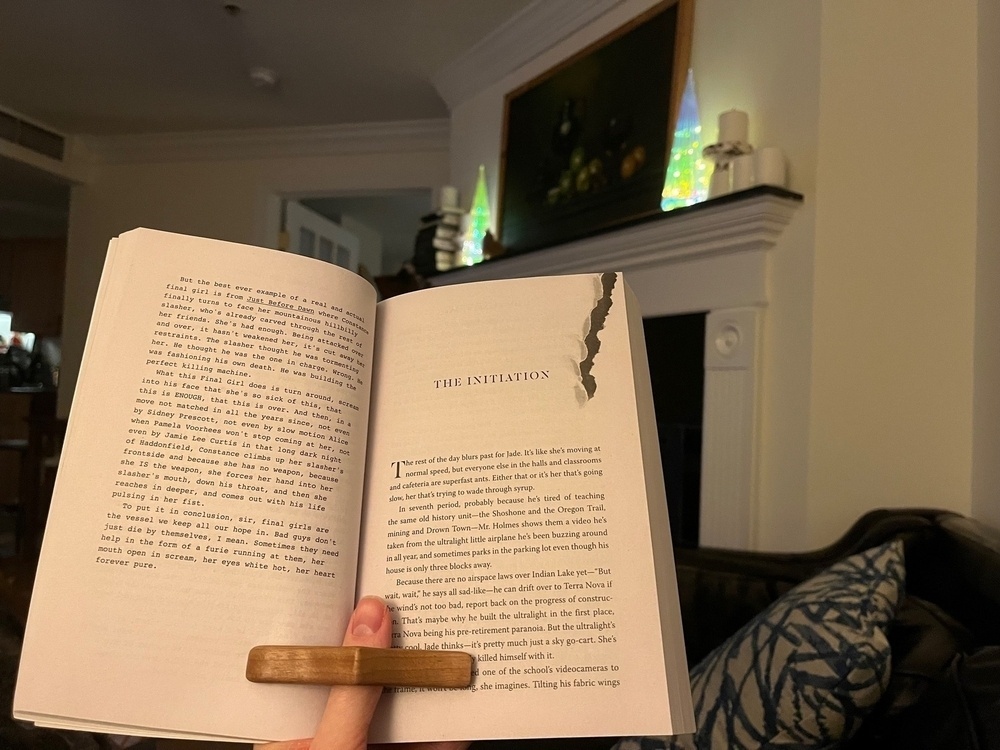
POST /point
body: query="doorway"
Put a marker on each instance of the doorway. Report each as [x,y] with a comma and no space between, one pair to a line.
[384,223]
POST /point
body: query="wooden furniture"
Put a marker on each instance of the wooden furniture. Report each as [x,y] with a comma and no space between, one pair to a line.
[12,454]
[40,440]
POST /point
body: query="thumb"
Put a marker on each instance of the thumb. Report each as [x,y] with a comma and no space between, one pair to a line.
[349,710]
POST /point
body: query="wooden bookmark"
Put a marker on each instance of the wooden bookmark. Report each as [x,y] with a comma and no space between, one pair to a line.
[359,665]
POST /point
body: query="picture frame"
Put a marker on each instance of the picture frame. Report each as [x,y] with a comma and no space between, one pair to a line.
[585,145]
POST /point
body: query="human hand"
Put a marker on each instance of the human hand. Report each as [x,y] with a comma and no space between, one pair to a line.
[349,709]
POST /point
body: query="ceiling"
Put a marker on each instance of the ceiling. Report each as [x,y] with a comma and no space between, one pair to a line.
[110,67]
[114,67]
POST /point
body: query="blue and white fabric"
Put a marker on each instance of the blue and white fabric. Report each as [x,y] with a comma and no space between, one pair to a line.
[805,671]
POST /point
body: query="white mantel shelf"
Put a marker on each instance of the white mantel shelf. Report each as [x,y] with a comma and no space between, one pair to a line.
[711,258]
[735,223]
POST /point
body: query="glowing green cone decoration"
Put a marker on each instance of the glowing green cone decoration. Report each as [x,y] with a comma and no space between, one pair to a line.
[687,176]
[479,223]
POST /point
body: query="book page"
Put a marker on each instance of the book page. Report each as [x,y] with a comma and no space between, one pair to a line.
[208,495]
[508,512]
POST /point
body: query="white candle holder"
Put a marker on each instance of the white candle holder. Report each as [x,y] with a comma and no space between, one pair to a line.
[722,154]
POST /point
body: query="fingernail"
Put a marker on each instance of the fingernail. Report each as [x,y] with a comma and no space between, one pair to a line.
[368,616]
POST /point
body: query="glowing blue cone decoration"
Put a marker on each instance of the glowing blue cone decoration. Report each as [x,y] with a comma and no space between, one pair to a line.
[686,181]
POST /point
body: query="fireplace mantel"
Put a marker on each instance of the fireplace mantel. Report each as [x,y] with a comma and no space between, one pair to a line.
[711,257]
[738,222]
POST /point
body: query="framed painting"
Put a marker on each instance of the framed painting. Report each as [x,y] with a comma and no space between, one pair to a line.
[585,145]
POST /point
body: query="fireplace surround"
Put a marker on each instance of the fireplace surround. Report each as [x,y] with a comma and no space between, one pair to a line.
[708,257]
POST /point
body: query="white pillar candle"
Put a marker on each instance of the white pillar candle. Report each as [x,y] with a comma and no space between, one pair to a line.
[743,172]
[449,196]
[769,167]
[734,126]
[719,182]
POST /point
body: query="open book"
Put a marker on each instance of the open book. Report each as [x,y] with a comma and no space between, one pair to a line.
[254,443]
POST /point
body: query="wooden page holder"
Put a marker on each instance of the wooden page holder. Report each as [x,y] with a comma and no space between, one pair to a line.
[359,665]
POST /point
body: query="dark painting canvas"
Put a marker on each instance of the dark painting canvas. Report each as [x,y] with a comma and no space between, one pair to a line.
[586,145]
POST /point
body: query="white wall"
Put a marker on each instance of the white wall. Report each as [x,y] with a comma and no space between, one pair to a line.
[231,199]
[892,371]
[371,244]
[870,386]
